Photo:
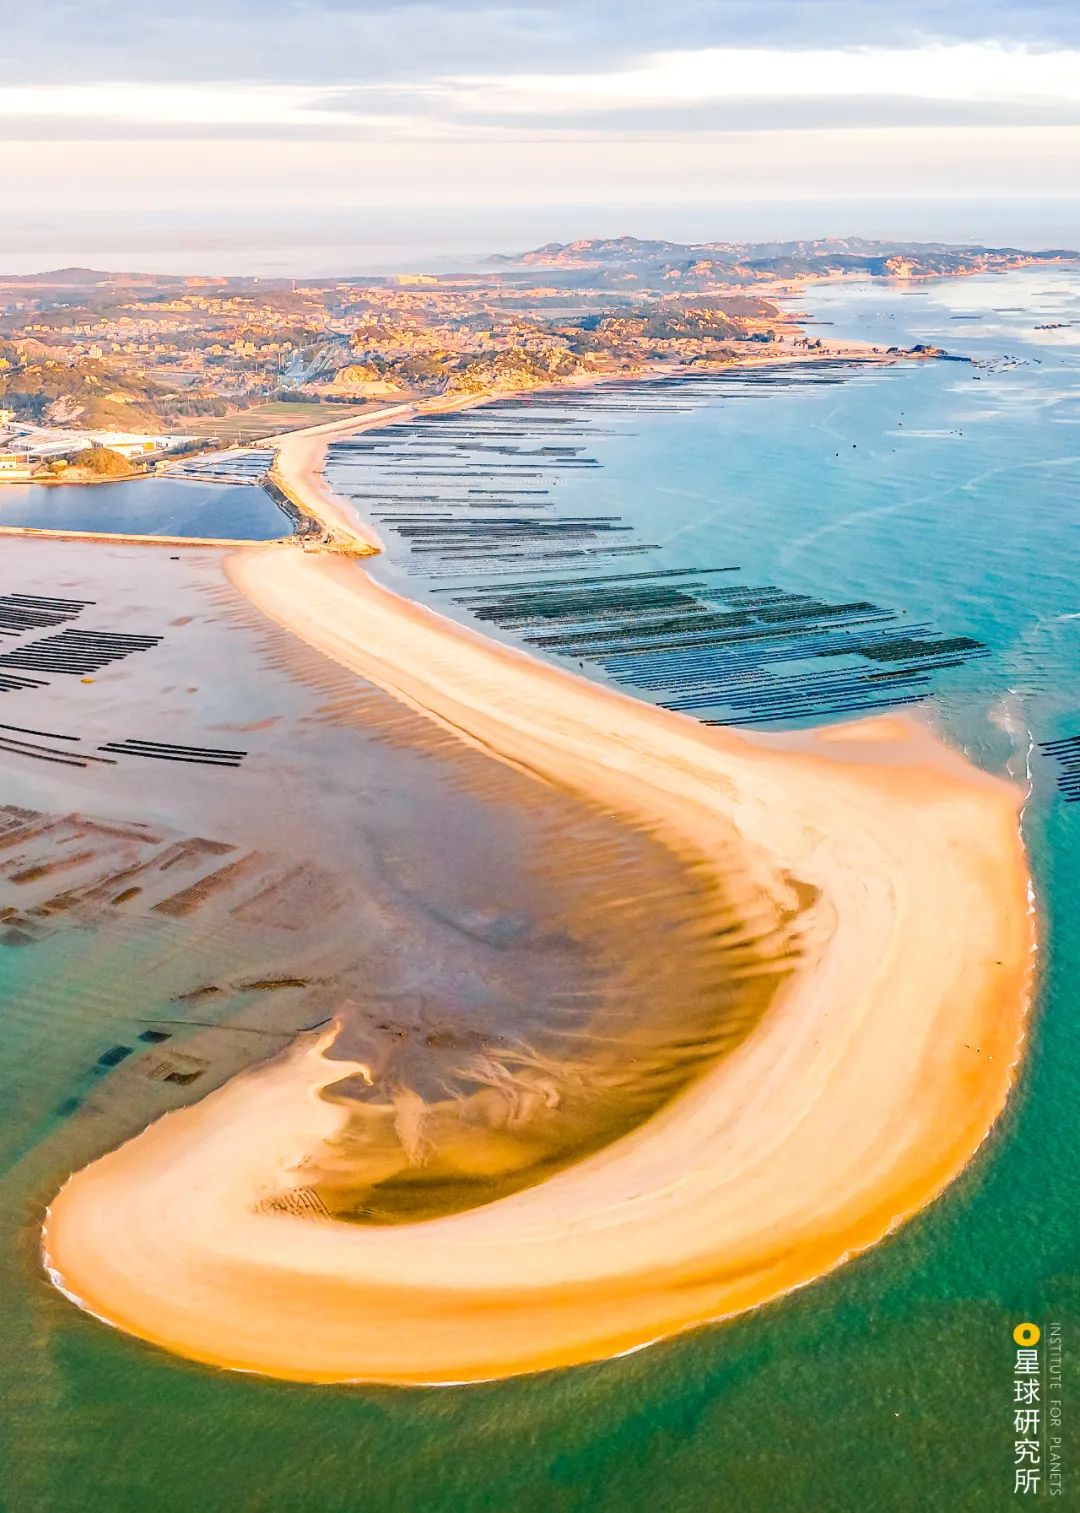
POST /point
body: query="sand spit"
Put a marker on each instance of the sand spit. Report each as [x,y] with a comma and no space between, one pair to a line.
[866,1087]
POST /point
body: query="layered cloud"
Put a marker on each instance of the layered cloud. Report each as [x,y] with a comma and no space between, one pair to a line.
[341,41]
[464,99]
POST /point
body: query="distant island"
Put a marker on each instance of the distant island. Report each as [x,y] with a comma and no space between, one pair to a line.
[702,264]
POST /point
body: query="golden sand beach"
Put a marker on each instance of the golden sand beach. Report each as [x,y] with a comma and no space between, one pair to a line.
[875,1074]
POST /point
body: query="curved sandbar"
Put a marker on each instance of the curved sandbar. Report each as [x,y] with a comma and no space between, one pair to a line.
[864,1090]
[298,469]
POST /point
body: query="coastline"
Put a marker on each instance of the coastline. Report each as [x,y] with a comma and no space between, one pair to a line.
[867,1087]
[300,454]
[840,353]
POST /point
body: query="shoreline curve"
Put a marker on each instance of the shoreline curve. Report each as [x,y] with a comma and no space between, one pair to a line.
[864,1091]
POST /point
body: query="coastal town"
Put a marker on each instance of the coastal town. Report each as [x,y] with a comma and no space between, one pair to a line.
[104,375]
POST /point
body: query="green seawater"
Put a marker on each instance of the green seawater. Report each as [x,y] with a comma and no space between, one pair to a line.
[887,1385]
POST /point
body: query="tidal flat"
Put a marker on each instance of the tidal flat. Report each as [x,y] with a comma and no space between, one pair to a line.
[713,1381]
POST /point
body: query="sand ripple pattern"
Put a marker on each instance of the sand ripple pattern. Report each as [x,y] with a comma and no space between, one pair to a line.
[875,1073]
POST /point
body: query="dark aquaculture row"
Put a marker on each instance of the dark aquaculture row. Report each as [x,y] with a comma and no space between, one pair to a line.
[170,751]
[476,487]
[726,653]
[446,487]
[22,612]
[113,1057]
[71,651]
[484,492]
[77,652]
[14,740]
[1066,753]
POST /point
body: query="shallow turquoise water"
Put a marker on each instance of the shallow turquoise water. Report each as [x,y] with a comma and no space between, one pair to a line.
[944,491]
[888,1384]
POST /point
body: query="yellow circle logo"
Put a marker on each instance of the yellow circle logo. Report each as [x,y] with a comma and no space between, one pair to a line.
[1027,1334]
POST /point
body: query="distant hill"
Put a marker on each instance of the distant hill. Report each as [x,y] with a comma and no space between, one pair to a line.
[651,261]
[86,393]
[62,278]
[99,278]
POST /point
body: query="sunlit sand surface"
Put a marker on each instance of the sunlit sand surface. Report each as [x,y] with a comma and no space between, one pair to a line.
[762,1081]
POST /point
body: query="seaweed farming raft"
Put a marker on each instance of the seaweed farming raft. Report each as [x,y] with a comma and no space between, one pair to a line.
[1066,754]
[732,655]
[471,499]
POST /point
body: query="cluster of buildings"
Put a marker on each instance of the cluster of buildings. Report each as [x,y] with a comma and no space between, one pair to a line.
[191,355]
[25,449]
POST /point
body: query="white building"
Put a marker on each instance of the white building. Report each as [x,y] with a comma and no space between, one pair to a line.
[14,466]
[48,443]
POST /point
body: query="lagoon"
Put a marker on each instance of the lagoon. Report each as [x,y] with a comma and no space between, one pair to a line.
[153,506]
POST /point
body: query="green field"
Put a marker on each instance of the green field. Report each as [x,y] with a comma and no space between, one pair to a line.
[268,419]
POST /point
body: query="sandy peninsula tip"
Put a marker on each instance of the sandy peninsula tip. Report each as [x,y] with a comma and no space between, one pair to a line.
[875,1074]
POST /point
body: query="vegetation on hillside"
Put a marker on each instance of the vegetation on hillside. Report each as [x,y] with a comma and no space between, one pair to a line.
[102,462]
[89,394]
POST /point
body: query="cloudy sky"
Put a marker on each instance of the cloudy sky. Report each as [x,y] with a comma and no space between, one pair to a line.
[226,109]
